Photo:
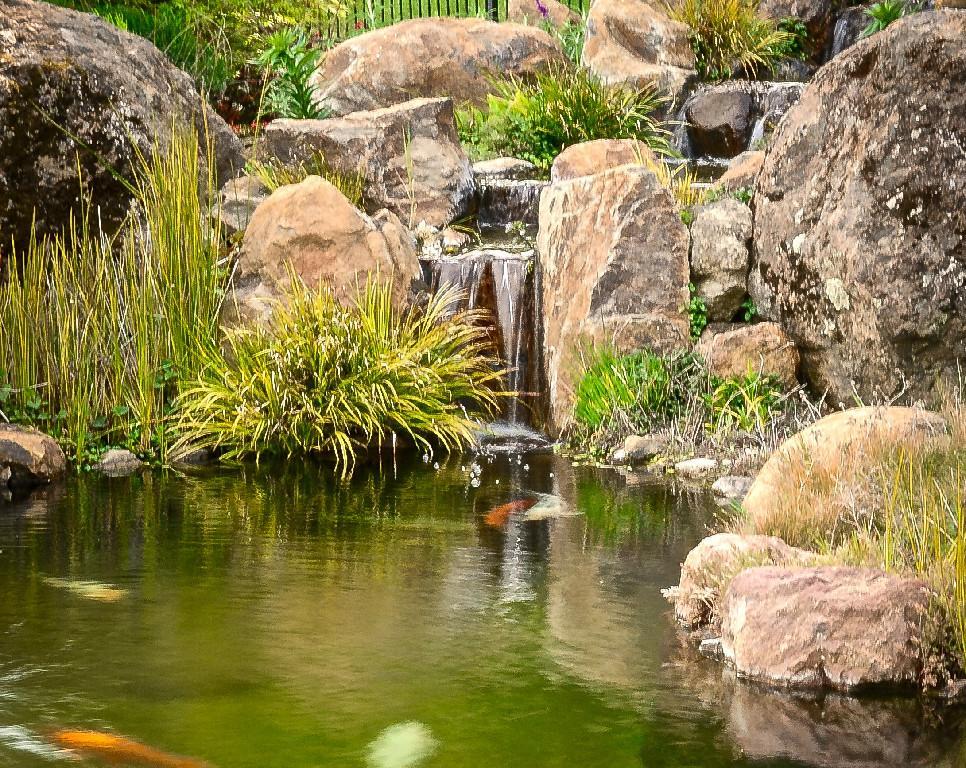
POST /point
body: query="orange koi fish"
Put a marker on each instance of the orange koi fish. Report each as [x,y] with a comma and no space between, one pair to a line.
[498,516]
[119,750]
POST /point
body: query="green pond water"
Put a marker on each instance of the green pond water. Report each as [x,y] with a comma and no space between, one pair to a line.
[276,617]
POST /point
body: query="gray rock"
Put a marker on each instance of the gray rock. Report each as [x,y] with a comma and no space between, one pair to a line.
[503,168]
[76,91]
[409,155]
[731,488]
[847,30]
[118,462]
[639,449]
[720,254]
[238,200]
[696,469]
[505,201]
[30,456]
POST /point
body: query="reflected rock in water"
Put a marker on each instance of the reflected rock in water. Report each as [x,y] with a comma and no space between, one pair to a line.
[89,590]
[402,746]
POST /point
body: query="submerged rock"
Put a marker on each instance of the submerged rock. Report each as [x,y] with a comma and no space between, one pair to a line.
[763,348]
[315,229]
[597,156]
[614,259]
[860,215]
[824,627]
[638,44]
[431,57]
[720,254]
[29,456]
[78,93]
[118,462]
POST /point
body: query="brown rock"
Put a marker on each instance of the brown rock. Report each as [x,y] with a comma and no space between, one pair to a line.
[742,171]
[720,238]
[528,12]
[76,93]
[847,441]
[30,457]
[409,155]
[313,227]
[431,57]
[590,157]
[714,562]
[733,350]
[824,627]
[632,42]
[614,256]
[860,215]
[720,121]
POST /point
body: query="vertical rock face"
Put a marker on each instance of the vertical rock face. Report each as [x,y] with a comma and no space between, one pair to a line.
[314,229]
[431,57]
[633,42]
[409,156]
[860,220]
[614,260]
[76,92]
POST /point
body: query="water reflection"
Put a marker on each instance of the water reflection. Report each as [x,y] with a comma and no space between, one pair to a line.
[276,616]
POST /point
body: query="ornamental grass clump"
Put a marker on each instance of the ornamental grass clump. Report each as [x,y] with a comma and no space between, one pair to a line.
[334,381]
[536,119]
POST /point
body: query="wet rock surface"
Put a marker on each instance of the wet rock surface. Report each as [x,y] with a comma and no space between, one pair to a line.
[824,627]
[29,457]
[431,57]
[860,214]
[75,90]
[409,156]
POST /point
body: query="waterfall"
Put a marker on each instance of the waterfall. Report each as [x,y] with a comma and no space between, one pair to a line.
[503,283]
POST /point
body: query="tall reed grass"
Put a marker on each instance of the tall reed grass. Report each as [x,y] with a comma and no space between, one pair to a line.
[96,330]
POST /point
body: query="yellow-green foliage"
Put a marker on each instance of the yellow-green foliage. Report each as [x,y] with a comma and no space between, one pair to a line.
[730,38]
[330,380]
[274,174]
[94,333]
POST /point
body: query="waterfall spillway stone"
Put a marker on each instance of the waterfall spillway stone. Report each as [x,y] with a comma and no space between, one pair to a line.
[501,282]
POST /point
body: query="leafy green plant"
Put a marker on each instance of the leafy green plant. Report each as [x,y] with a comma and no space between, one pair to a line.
[336,381]
[796,46]
[697,312]
[289,63]
[882,14]
[743,402]
[537,119]
[95,333]
[274,174]
[571,37]
[729,37]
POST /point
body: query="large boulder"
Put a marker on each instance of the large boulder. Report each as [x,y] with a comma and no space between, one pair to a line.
[824,627]
[634,42]
[590,157]
[720,253]
[29,457]
[409,156]
[312,228]
[860,214]
[76,93]
[828,453]
[714,562]
[734,350]
[614,259]
[720,121]
[431,57]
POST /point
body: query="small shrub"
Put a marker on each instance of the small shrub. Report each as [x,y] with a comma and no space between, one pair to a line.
[745,402]
[571,37]
[274,174]
[748,310]
[697,313]
[729,37]
[334,381]
[882,14]
[289,62]
[536,120]
[796,47]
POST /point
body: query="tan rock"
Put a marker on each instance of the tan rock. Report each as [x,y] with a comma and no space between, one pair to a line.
[845,442]
[431,57]
[733,350]
[632,42]
[29,456]
[313,227]
[409,154]
[714,562]
[720,239]
[614,257]
[823,627]
[590,157]
[742,171]
[529,12]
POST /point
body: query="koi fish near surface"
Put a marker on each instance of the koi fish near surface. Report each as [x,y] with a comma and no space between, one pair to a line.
[498,516]
[92,590]
[121,751]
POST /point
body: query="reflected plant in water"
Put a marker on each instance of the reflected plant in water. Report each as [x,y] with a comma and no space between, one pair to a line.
[335,381]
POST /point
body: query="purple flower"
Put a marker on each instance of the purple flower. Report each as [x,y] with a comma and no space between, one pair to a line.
[544,10]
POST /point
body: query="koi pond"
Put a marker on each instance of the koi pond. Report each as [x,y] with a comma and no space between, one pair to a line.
[279,617]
